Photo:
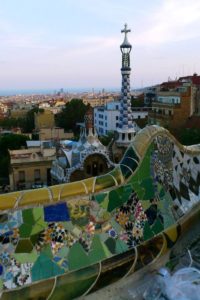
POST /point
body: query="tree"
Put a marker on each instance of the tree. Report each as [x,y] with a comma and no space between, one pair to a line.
[12,142]
[26,123]
[73,113]
[106,139]
[189,136]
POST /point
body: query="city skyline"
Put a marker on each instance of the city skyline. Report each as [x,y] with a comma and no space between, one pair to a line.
[75,44]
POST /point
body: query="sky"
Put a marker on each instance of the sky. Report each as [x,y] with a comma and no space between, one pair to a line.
[75,43]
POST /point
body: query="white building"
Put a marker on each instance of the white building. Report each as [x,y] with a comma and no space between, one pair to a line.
[106,118]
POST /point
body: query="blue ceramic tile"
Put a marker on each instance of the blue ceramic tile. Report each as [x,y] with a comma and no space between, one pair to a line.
[57,212]
[1,270]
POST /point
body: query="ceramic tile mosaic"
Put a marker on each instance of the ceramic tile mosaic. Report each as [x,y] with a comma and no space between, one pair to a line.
[156,182]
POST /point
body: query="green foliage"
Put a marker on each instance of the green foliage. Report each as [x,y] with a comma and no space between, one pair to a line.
[189,136]
[73,113]
[8,123]
[12,142]
[142,122]
[26,123]
[106,139]
[137,102]
[29,124]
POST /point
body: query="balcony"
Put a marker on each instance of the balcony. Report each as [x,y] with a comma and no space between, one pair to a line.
[165,105]
[161,116]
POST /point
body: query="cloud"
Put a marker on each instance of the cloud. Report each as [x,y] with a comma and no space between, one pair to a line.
[175,20]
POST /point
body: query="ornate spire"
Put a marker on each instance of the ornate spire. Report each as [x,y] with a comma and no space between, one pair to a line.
[125,43]
[126,129]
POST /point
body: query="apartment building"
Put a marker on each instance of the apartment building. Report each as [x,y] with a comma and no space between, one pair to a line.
[106,118]
[30,168]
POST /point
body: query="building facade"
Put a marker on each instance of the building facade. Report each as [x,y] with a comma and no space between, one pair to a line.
[44,119]
[106,118]
[30,168]
[172,108]
[55,133]
[88,157]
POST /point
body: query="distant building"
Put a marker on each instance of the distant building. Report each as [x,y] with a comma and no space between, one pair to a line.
[97,101]
[44,119]
[55,133]
[173,107]
[86,158]
[106,118]
[30,168]
[150,96]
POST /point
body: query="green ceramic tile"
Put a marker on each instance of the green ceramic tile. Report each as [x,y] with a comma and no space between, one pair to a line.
[138,189]
[118,197]
[131,153]
[44,267]
[116,225]
[166,211]
[24,246]
[46,250]
[77,257]
[25,230]
[104,203]
[143,170]
[26,257]
[120,247]
[27,215]
[100,197]
[147,233]
[63,252]
[98,250]
[157,226]
[39,226]
[161,193]
[147,184]
[34,238]
[38,213]
[104,236]
[1,284]
[126,172]
[117,173]
[127,161]
[111,244]
[68,225]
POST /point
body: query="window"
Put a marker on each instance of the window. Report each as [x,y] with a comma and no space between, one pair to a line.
[123,136]
[117,124]
[129,136]
[21,176]
[117,118]
[37,174]
[117,107]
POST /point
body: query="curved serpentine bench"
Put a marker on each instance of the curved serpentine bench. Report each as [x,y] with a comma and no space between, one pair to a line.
[68,240]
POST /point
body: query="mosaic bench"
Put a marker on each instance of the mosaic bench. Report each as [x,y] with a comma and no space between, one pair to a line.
[69,240]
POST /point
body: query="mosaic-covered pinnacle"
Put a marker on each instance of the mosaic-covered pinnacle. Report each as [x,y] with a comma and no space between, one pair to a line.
[125,43]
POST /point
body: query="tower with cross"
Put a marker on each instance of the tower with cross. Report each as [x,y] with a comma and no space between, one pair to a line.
[126,131]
